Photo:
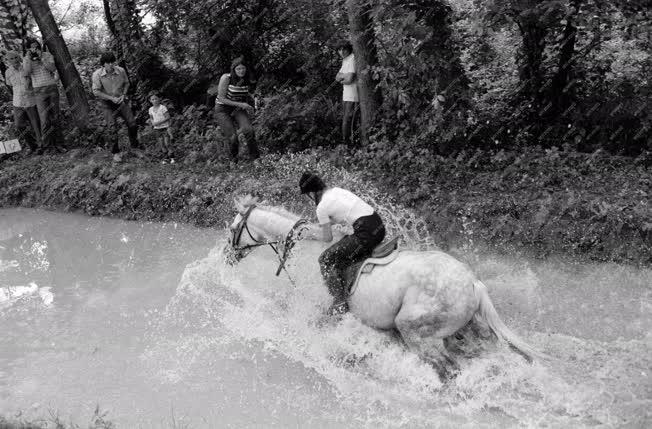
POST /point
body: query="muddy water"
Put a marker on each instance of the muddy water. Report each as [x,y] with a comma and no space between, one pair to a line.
[146,321]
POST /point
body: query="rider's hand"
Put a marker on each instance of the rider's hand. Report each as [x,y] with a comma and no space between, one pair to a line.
[248,107]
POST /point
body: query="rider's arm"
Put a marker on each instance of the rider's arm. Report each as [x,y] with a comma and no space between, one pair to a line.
[324,210]
[327,232]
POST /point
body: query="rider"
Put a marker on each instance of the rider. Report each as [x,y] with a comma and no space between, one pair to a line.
[339,206]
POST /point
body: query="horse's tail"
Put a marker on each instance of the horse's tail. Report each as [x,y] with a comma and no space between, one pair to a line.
[487,311]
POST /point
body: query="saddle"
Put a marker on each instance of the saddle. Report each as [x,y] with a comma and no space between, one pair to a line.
[382,254]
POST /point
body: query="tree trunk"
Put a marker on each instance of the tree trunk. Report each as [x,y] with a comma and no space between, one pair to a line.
[117,47]
[440,49]
[366,57]
[125,28]
[72,82]
[531,72]
[147,70]
[561,87]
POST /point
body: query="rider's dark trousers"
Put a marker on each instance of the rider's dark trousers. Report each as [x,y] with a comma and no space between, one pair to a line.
[368,232]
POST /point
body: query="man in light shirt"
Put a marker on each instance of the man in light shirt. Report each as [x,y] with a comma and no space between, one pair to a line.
[26,117]
[339,206]
[110,85]
[39,66]
[346,77]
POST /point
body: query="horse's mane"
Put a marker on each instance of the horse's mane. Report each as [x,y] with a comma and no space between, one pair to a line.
[242,203]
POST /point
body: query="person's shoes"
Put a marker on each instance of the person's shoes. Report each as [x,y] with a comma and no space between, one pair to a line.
[165,161]
[172,161]
[117,157]
[338,308]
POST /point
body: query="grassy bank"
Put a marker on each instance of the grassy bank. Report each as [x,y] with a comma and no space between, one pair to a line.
[546,202]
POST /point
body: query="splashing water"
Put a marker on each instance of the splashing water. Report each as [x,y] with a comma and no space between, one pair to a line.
[378,381]
[383,384]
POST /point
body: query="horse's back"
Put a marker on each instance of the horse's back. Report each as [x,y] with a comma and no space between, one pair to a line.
[435,275]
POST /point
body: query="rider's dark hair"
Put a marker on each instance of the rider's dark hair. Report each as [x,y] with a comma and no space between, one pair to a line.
[311,182]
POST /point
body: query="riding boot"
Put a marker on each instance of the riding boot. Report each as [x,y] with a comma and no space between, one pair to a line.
[337,288]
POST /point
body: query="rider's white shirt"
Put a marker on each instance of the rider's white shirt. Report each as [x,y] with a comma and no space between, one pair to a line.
[340,206]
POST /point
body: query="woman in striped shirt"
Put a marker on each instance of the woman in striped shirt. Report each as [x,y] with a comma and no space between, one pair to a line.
[233,108]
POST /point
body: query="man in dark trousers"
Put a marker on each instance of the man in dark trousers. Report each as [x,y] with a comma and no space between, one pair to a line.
[110,85]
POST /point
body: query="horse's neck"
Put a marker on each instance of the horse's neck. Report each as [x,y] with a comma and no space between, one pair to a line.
[272,225]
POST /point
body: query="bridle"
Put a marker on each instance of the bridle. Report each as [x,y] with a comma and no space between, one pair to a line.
[282,248]
[237,233]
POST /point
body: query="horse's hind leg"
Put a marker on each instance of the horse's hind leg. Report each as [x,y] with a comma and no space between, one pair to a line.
[471,340]
[420,338]
[423,332]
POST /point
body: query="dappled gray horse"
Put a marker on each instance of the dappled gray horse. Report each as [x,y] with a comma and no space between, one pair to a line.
[428,296]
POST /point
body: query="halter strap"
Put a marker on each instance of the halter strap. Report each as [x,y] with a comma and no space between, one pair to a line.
[237,234]
[288,244]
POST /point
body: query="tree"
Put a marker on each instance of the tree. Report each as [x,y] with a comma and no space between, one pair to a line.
[123,21]
[110,24]
[366,58]
[70,78]
[145,68]
[438,48]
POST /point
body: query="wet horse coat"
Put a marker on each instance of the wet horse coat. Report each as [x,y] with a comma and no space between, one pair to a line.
[427,296]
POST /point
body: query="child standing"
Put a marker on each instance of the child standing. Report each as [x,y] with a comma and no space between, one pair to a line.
[160,119]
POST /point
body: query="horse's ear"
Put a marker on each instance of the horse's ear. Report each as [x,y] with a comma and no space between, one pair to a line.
[248,201]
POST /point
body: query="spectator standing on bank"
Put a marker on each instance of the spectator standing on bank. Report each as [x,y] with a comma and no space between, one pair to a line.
[234,108]
[39,67]
[346,77]
[26,116]
[160,119]
[110,85]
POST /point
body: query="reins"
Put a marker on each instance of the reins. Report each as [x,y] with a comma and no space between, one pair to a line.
[288,243]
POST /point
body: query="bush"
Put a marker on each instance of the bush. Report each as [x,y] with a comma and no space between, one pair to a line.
[291,122]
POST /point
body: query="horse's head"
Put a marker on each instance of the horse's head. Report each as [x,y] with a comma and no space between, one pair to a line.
[244,236]
[259,225]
